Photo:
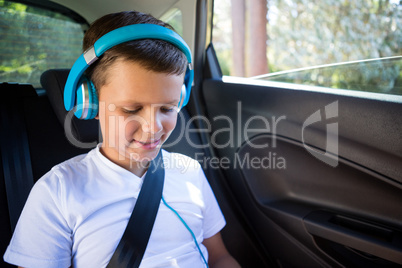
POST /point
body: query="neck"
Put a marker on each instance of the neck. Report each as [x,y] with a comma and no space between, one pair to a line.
[138,169]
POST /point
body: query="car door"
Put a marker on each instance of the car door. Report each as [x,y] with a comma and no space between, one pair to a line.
[314,171]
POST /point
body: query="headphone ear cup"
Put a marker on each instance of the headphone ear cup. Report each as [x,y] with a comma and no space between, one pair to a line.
[93,101]
[186,89]
[87,100]
[183,95]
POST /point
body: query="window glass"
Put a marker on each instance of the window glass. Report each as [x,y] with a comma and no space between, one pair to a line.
[174,18]
[379,75]
[345,44]
[34,40]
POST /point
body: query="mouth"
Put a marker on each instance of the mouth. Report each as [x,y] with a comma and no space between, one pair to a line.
[148,145]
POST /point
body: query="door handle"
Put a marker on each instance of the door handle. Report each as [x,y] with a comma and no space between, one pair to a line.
[366,237]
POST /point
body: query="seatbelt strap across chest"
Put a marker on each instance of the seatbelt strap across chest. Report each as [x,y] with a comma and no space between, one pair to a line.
[133,243]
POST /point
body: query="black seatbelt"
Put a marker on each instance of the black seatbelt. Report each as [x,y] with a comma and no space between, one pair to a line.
[133,243]
[14,145]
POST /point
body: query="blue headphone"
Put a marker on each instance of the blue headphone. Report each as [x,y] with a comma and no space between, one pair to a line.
[80,92]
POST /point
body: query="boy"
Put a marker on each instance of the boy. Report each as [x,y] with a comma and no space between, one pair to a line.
[77,212]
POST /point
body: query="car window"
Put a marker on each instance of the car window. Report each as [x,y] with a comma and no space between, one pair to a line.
[174,18]
[377,75]
[353,45]
[34,40]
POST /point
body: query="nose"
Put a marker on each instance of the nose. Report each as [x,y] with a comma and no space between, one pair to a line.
[152,123]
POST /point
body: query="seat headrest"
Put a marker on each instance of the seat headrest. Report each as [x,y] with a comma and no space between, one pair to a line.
[53,82]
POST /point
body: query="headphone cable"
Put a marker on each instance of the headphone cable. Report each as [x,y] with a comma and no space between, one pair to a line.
[188,228]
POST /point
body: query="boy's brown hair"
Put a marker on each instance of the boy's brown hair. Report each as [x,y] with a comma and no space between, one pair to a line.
[152,54]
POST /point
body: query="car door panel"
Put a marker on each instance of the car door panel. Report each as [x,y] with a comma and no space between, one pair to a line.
[308,212]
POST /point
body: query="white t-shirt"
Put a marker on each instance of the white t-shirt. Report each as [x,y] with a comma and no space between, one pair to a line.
[76,214]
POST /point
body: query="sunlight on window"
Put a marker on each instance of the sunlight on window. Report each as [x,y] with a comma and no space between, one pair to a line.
[34,40]
[255,38]
[174,18]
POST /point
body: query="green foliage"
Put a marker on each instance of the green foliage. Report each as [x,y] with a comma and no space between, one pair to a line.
[383,76]
[222,31]
[226,62]
[306,33]
[34,40]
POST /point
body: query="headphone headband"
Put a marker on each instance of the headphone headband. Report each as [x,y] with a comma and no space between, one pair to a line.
[116,37]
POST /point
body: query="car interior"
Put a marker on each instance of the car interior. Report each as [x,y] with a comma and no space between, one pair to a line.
[305,176]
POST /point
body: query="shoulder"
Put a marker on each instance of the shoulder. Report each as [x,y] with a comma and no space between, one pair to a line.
[72,165]
[49,193]
[65,171]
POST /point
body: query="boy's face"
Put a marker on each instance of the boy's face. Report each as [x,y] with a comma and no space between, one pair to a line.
[137,113]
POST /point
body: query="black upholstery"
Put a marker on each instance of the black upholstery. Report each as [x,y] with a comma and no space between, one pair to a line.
[53,82]
[48,145]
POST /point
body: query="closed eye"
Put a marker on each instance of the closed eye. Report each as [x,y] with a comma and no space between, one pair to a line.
[130,111]
[167,109]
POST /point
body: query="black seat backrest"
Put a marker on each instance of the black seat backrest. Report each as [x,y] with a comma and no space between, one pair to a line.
[47,144]
[53,81]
